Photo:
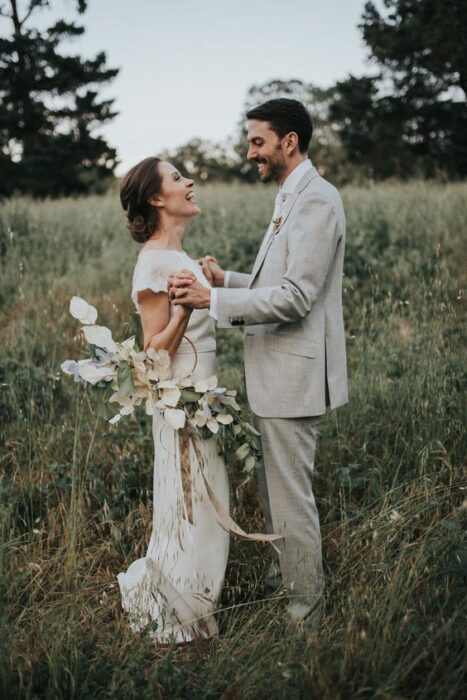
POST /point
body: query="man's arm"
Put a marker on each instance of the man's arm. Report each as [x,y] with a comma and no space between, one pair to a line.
[236,280]
[313,241]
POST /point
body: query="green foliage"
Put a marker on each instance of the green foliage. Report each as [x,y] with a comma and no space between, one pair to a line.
[49,107]
[205,160]
[125,380]
[409,118]
[76,493]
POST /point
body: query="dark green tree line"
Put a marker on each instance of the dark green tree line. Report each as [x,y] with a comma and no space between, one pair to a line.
[50,107]
[410,118]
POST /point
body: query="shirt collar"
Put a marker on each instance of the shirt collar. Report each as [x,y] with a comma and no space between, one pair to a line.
[292,180]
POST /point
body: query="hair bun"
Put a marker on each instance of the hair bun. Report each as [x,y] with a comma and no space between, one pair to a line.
[141,183]
[139,228]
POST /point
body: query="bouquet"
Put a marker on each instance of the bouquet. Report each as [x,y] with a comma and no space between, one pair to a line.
[128,377]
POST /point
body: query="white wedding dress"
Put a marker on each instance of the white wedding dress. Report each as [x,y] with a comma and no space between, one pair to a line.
[176,586]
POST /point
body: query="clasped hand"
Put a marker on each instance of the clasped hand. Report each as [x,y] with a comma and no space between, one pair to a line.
[185,289]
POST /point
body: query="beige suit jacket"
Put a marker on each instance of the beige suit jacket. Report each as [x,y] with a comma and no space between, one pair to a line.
[291,308]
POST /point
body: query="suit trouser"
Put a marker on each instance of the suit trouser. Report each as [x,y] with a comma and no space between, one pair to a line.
[288,503]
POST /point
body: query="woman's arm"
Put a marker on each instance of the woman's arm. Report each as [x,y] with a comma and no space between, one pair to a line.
[159,330]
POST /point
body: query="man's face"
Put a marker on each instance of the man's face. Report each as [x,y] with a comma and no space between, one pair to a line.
[265,149]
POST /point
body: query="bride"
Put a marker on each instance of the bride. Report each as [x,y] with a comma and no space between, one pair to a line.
[176,586]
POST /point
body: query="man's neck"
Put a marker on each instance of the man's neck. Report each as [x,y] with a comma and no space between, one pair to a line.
[294,162]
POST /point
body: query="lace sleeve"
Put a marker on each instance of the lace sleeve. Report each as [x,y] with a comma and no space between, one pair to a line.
[149,276]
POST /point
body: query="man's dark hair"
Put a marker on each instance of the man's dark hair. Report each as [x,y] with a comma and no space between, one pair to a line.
[285,115]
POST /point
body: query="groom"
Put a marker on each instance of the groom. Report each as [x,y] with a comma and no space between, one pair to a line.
[290,307]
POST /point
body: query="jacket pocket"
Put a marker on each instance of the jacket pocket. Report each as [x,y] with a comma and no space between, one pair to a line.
[290,345]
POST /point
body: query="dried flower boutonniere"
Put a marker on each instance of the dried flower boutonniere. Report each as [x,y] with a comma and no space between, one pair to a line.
[277,223]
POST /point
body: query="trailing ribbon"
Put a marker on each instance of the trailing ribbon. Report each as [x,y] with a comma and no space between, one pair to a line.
[225,520]
[185,470]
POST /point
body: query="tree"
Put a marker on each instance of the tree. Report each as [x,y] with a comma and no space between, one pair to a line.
[49,109]
[204,159]
[409,118]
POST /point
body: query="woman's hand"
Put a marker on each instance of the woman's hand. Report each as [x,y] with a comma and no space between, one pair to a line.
[183,311]
[212,271]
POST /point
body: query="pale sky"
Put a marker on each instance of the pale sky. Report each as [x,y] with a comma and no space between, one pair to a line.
[186,65]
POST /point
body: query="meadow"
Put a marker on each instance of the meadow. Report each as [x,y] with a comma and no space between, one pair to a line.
[391,491]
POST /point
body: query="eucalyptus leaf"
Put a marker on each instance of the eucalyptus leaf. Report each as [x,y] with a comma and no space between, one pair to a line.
[250,463]
[243,451]
[251,430]
[125,380]
[189,396]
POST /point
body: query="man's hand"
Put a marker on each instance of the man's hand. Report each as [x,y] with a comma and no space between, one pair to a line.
[212,271]
[184,289]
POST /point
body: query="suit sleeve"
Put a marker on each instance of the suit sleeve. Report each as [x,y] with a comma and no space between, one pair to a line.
[312,244]
[237,280]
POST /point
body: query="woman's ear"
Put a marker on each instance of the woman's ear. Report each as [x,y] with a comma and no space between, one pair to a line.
[156,202]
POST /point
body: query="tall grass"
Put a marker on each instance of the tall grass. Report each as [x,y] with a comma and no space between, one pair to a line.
[76,493]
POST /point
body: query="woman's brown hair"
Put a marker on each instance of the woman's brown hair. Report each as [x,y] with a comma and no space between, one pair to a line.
[139,185]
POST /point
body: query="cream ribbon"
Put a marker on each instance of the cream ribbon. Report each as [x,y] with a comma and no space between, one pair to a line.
[225,520]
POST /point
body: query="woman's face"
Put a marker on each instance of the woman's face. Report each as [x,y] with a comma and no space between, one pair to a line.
[177,196]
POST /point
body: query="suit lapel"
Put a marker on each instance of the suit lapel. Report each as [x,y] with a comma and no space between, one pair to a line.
[304,181]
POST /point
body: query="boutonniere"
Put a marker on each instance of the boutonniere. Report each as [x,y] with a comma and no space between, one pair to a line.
[277,223]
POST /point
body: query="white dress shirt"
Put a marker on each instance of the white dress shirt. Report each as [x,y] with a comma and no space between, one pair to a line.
[285,190]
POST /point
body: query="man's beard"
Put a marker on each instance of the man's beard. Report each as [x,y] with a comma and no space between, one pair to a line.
[275,169]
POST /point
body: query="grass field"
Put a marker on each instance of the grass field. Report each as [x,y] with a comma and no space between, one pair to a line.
[76,492]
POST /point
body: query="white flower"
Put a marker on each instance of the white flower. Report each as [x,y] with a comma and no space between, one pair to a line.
[138,356]
[170,393]
[126,410]
[71,367]
[160,360]
[199,418]
[213,425]
[175,418]
[84,312]
[183,382]
[150,406]
[224,418]
[92,374]
[100,336]
[171,397]
[204,385]
[125,348]
[141,380]
[129,343]
[122,399]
